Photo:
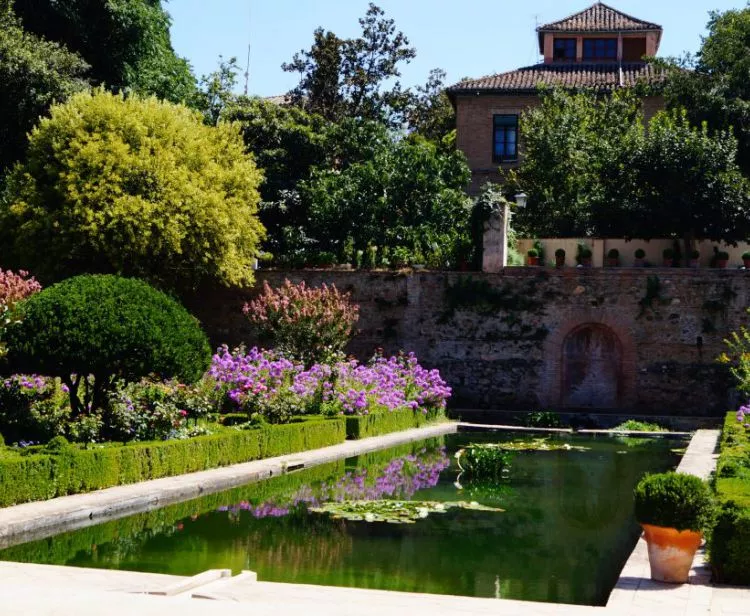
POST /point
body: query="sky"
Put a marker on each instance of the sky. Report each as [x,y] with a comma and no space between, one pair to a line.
[466,38]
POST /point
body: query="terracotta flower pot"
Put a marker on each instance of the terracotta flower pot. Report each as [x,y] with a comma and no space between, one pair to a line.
[532,260]
[671,552]
[613,262]
[722,263]
[639,262]
[667,262]
[746,263]
[586,261]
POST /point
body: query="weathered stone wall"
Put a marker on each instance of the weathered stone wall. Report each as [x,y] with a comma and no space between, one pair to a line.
[634,339]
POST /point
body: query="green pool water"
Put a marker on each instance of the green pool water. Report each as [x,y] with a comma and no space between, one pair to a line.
[565,532]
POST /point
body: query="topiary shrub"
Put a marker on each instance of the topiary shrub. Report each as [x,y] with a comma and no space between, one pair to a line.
[309,324]
[674,500]
[93,330]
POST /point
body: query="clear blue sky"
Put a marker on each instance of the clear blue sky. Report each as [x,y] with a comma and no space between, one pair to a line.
[467,38]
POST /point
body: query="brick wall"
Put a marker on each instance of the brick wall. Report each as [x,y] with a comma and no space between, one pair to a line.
[526,338]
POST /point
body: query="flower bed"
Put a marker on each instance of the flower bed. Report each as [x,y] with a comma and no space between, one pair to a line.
[263,384]
[70,470]
[730,557]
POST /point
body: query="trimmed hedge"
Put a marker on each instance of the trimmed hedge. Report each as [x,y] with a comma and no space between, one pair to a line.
[364,426]
[71,470]
[728,547]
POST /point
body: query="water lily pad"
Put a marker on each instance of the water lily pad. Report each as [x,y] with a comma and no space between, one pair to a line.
[391,511]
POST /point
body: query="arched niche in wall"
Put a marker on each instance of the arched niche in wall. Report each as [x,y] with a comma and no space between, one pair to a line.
[591,368]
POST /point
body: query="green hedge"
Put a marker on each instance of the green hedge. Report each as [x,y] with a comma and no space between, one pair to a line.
[382,423]
[72,470]
[728,548]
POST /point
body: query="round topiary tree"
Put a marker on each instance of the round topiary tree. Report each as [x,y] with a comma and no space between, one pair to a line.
[92,330]
[136,187]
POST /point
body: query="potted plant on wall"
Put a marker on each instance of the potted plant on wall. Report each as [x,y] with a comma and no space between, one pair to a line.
[674,509]
[746,259]
[722,259]
[613,257]
[532,257]
[694,257]
[559,257]
[640,258]
[583,255]
[667,257]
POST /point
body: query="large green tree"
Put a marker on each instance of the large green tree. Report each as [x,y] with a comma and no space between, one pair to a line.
[675,180]
[717,88]
[353,78]
[34,74]
[126,42]
[568,143]
[133,186]
[400,194]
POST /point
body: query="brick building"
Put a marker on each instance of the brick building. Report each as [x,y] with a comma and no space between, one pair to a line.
[599,48]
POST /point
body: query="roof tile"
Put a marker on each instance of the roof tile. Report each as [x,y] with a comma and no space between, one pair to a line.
[599,18]
[598,76]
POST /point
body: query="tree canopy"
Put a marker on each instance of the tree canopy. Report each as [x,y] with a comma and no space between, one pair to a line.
[717,89]
[593,167]
[125,42]
[34,74]
[133,186]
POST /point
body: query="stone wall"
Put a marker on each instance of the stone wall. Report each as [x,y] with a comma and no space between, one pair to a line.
[530,338]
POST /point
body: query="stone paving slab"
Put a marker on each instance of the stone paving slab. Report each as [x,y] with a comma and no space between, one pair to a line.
[41,519]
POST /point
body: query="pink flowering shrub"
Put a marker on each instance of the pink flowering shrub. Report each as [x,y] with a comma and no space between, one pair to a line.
[260,382]
[13,289]
[309,324]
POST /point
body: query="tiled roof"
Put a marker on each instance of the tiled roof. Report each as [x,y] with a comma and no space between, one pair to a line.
[599,18]
[526,80]
[281,99]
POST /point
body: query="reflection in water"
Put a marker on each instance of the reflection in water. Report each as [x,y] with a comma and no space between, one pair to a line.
[565,533]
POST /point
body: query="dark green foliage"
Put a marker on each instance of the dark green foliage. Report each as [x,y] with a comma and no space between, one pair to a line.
[674,500]
[381,190]
[542,419]
[127,42]
[485,460]
[375,424]
[728,547]
[107,327]
[57,444]
[71,470]
[351,77]
[34,74]
[633,425]
[733,468]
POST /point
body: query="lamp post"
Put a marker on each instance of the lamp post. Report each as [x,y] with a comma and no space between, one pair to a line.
[521,199]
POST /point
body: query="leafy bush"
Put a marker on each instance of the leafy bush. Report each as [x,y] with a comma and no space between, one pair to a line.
[674,500]
[542,419]
[92,330]
[309,324]
[13,289]
[613,253]
[486,460]
[633,425]
[32,408]
[640,253]
[138,187]
[728,545]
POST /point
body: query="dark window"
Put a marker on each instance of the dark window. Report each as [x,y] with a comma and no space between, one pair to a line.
[505,138]
[633,49]
[600,49]
[565,49]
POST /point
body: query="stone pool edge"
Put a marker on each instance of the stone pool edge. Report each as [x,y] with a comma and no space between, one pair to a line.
[634,589]
[41,519]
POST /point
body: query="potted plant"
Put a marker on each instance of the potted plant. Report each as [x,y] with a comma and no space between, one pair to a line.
[674,509]
[694,258]
[613,257]
[640,258]
[532,257]
[722,258]
[746,259]
[667,257]
[560,257]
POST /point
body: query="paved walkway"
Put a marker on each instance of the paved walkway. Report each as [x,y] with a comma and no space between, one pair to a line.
[27,589]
